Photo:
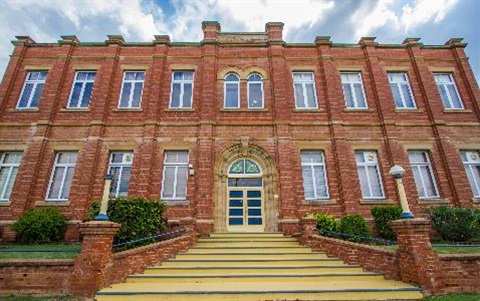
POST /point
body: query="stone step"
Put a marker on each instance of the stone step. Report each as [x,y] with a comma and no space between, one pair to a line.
[242,250]
[244,255]
[303,290]
[248,243]
[229,235]
[250,239]
[254,277]
[256,261]
[241,270]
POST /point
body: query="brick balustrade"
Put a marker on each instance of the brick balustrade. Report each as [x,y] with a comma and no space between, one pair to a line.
[414,261]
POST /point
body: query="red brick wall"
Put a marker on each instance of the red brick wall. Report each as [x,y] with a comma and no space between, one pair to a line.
[35,277]
[207,129]
[460,273]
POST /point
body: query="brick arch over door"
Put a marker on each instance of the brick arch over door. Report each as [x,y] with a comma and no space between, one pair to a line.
[270,183]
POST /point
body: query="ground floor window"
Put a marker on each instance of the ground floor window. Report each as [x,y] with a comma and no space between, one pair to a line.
[9,163]
[314,175]
[175,174]
[120,167]
[62,175]
[423,174]
[369,175]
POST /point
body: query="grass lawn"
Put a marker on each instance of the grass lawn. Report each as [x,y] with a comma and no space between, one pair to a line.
[59,251]
[454,297]
[456,250]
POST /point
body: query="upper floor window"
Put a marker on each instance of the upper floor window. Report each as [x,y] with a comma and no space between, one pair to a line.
[32,90]
[182,89]
[448,91]
[369,174]
[175,175]
[62,175]
[82,89]
[353,90]
[9,163]
[314,175]
[232,91]
[120,167]
[255,91]
[402,93]
[423,174]
[132,89]
[471,162]
[304,88]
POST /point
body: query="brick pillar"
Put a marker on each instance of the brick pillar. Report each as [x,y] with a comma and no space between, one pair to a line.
[309,228]
[92,265]
[417,261]
[189,223]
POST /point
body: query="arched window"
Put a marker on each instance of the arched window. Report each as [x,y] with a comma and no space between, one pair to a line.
[255,91]
[231,90]
[244,167]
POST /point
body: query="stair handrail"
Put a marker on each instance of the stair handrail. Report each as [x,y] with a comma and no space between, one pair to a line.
[159,237]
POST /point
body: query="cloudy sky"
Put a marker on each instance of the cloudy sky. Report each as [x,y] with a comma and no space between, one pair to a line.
[435,21]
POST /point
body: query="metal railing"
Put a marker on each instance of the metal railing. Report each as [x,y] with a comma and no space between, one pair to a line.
[155,238]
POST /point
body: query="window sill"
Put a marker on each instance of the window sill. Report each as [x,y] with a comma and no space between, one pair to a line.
[24,110]
[172,203]
[366,110]
[377,202]
[453,111]
[433,201]
[243,110]
[5,203]
[313,110]
[407,110]
[127,110]
[73,110]
[319,202]
[179,110]
[51,203]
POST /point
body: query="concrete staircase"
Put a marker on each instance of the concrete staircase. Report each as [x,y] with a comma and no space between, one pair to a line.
[256,266]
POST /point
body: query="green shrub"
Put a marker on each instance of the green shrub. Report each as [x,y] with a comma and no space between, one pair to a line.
[455,224]
[382,215]
[140,217]
[354,225]
[43,225]
[325,222]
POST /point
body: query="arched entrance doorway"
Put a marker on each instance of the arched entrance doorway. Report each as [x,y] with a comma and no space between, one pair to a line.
[245,197]
[245,167]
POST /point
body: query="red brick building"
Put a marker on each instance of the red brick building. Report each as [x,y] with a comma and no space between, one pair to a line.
[239,130]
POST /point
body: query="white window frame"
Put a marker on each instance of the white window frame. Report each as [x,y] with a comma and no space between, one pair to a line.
[62,183]
[225,83]
[132,90]
[82,90]
[10,167]
[449,97]
[122,165]
[469,165]
[182,83]
[304,90]
[402,96]
[261,88]
[365,165]
[429,167]
[312,170]
[176,165]
[354,94]
[35,83]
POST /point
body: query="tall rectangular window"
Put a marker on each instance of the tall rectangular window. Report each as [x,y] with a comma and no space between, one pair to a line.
[402,93]
[62,175]
[9,163]
[304,89]
[132,89]
[471,162]
[448,91]
[353,90]
[120,167]
[314,175]
[32,90]
[369,175]
[231,91]
[182,89]
[81,89]
[175,175]
[423,174]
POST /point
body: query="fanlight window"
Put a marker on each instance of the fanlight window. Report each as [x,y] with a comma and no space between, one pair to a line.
[244,166]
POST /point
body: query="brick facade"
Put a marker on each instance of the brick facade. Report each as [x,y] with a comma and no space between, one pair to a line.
[278,131]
